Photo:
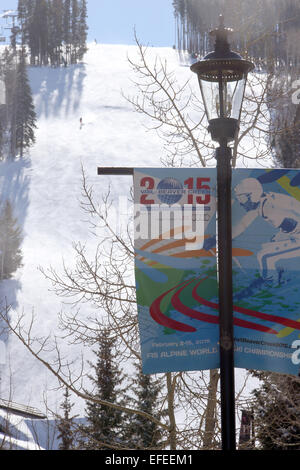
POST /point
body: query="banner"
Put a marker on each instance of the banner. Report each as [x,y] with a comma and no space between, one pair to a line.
[266,222]
[175,214]
[176,276]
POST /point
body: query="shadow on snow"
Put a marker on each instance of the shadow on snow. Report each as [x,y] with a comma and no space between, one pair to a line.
[57,88]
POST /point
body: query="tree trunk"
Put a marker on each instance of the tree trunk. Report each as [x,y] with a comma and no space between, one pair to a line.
[171,413]
[211,415]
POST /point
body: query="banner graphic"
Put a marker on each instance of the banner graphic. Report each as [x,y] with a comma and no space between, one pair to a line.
[176,276]
[266,222]
[175,213]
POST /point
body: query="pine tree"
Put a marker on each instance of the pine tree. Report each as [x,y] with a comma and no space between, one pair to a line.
[277,411]
[38,34]
[268,27]
[9,72]
[23,112]
[22,18]
[104,423]
[143,433]
[83,28]
[65,424]
[49,26]
[55,31]
[1,137]
[25,17]
[10,242]
[67,29]
[74,31]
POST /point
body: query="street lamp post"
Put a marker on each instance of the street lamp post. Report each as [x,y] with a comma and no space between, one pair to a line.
[222,76]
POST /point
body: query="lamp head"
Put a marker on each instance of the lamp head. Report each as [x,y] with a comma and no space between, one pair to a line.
[222,76]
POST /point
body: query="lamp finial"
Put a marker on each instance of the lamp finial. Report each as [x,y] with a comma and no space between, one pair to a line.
[221,21]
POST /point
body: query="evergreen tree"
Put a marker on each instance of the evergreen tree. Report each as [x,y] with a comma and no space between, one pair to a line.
[25,17]
[10,242]
[67,28]
[74,31]
[9,72]
[1,137]
[22,17]
[23,112]
[277,411]
[65,424]
[83,28]
[38,33]
[104,428]
[268,32]
[143,433]
[55,30]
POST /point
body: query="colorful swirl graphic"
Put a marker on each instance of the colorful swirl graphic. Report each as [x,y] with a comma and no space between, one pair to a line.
[164,320]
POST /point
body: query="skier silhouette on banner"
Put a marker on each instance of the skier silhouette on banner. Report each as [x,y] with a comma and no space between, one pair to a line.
[282,212]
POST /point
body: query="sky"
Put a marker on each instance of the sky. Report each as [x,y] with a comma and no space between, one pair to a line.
[114,21]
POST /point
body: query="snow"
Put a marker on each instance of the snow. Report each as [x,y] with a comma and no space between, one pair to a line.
[45,189]
[15,433]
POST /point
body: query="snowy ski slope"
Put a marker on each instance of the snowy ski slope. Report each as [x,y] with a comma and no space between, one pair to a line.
[45,190]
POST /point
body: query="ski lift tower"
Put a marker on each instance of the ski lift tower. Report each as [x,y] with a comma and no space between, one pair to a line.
[10,16]
[2,36]
[3,16]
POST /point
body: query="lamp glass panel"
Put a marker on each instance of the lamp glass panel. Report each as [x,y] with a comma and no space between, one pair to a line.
[210,97]
[237,97]
[222,98]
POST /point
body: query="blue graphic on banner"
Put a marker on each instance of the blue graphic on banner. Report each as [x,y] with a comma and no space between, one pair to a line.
[174,270]
[176,276]
[266,221]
